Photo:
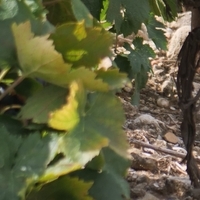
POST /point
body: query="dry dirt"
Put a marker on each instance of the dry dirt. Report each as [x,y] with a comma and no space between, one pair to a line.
[153,131]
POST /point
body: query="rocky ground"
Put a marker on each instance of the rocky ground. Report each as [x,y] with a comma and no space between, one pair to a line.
[153,128]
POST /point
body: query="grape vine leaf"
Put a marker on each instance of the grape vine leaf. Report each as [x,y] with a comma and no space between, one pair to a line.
[137,65]
[50,98]
[7,47]
[114,14]
[166,9]
[81,13]
[28,87]
[157,35]
[80,45]
[67,117]
[140,66]
[8,9]
[104,23]
[9,145]
[135,11]
[139,56]
[22,162]
[25,161]
[96,163]
[46,63]
[63,188]
[111,187]
[110,179]
[97,127]
[72,156]
[115,168]
[88,78]
[94,6]
[44,59]
[123,64]
[65,10]
[112,77]
[37,9]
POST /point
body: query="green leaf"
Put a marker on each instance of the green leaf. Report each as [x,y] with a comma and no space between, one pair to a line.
[51,66]
[36,8]
[22,161]
[114,163]
[96,163]
[111,187]
[139,56]
[108,178]
[39,106]
[27,161]
[135,13]
[140,65]
[7,47]
[166,9]
[123,64]
[98,124]
[114,13]
[82,46]
[62,189]
[64,8]
[28,87]
[113,78]
[88,78]
[106,186]
[67,148]
[50,62]
[95,122]
[104,23]
[114,170]
[94,6]
[12,126]
[157,35]
[9,184]
[81,12]
[8,9]
[67,117]
[33,156]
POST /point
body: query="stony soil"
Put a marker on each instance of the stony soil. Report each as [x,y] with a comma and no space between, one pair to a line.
[153,129]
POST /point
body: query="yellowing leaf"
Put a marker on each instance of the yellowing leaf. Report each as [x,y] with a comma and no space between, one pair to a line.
[38,58]
[75,55]
[80,32]
[67,117]
[37,54]
[75,36]
[89,79]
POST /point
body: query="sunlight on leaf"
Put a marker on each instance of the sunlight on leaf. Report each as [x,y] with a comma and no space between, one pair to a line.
[75,55]
[75,37]
[67,117]
[89,79]
[38,58]
[37,54]
[80,32]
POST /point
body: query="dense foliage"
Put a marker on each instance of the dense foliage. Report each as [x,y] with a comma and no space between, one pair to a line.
[61,123]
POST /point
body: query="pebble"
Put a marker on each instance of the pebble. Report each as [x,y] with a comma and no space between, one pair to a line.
[162,102]
[170,137]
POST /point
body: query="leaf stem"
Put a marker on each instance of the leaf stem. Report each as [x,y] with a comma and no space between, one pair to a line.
[12,86]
